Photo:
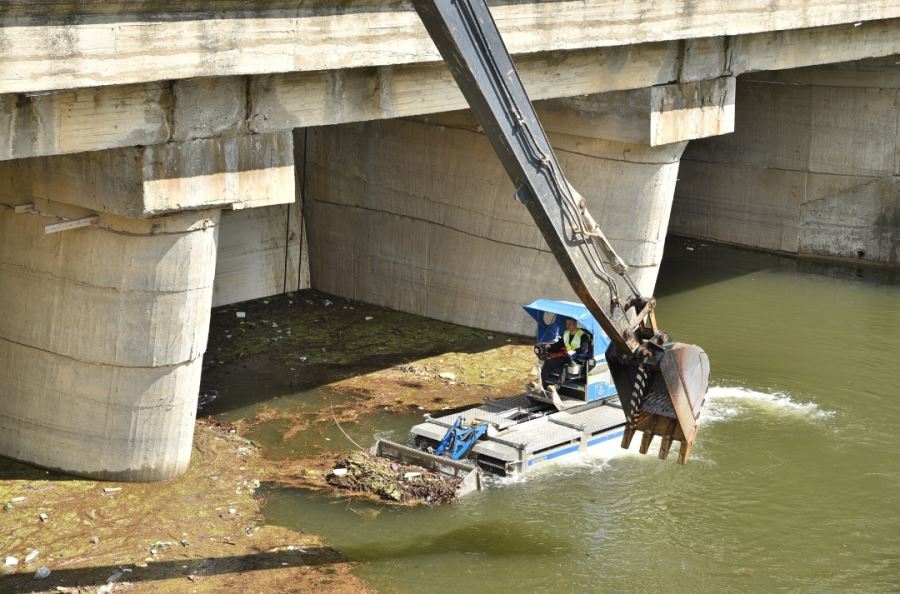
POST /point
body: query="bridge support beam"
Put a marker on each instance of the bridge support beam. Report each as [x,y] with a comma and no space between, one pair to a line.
[652,116]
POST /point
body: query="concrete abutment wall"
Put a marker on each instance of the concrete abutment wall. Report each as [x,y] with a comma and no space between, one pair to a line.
[813,167]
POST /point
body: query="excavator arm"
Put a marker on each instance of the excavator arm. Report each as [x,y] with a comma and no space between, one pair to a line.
[661,384]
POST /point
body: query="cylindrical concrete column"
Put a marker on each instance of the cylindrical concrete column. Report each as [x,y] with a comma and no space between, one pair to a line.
[420,217]
[101,342]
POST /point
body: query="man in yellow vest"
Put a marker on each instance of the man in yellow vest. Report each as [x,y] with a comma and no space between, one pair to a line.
[559,354]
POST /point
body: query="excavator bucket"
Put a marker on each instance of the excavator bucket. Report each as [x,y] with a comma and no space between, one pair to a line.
[662,390]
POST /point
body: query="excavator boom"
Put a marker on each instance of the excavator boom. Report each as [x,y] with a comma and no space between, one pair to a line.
[661,384]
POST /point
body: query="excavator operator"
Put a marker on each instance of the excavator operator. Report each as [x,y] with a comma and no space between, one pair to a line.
[571,346]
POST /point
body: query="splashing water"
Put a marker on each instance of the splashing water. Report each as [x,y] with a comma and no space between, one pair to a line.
[729,402]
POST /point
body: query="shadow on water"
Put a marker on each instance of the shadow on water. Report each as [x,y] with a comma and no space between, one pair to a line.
[493,538]
[684,255]
[369,532]
[92,577]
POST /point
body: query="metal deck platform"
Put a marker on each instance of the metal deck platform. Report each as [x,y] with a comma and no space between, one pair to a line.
[526,430]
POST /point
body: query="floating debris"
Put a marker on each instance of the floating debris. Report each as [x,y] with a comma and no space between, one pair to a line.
[399,483]
[42,573]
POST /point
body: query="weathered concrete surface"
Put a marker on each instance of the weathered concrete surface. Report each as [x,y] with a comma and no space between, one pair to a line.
[812,167]
[84,44]
[419,216]
[651,116]
[240,171]
[262,252]
[207,107]
[66,121]
[102,342]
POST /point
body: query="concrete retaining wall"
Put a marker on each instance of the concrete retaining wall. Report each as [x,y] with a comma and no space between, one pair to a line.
[811,168]
[419,216]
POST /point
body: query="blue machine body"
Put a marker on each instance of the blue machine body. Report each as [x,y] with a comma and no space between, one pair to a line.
[551,317]
[459,440]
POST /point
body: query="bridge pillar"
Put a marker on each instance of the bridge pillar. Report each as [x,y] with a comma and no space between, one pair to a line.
[811,169]
[418,215]
[107,261]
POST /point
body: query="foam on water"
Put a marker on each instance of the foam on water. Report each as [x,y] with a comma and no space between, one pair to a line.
[728,402]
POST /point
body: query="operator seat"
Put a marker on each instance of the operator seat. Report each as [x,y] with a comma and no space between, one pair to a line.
[584,356]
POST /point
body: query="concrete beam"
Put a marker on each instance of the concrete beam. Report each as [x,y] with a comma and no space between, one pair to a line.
[84,120]
[796,48]
[652,116]
[299,100]
[90,46]
[234,171]
[111,117]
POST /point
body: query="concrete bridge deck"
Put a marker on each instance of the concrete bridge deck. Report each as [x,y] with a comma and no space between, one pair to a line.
[158,157]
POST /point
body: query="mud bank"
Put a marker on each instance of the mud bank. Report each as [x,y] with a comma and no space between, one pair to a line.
[201,532]
[280,375]
[307,376]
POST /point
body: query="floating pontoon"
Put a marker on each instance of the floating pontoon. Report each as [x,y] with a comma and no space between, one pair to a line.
[578,411]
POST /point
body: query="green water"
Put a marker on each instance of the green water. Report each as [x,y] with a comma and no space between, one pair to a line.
[794,484]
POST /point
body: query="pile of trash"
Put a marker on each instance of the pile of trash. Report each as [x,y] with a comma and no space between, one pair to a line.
[392,481]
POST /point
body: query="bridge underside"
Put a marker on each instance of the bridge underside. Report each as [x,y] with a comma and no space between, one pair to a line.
[129,206]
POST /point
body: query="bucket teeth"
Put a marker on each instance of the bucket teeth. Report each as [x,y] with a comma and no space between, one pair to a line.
[645,442]
[684,452]
[661,392]
[664,447]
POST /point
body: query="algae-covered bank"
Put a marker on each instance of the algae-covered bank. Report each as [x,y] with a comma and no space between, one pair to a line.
[309,376]
[201,532]
[290,382]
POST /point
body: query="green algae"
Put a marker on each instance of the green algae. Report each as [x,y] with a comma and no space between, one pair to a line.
[311,328]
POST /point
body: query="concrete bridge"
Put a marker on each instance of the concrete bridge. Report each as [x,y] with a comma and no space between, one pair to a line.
[159,157]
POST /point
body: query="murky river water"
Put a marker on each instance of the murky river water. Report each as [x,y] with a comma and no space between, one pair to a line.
[794,482]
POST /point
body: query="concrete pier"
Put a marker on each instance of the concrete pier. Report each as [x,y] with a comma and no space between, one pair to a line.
[101,341]
[811,168]
[107,262]
[419,216]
